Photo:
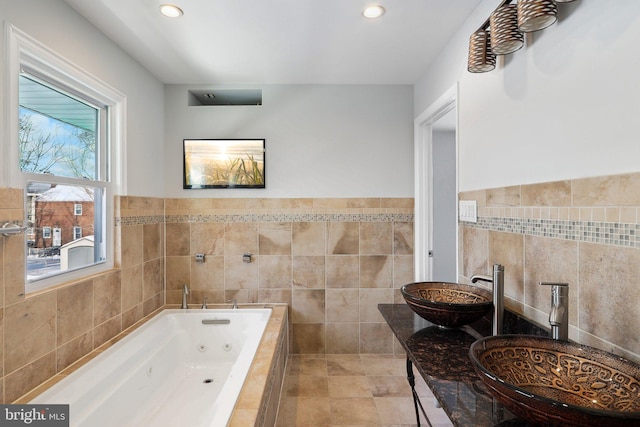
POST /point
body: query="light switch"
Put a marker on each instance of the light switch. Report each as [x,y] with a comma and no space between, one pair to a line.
[468,211]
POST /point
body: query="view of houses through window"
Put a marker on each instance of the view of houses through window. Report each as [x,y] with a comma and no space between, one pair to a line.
[59,143]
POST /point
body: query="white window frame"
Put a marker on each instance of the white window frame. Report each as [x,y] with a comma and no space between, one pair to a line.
[77,209]
[46,232]
[23,51]
[77,232]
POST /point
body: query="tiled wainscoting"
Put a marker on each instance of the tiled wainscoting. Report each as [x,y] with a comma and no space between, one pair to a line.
[331,260]
[45,332]
[584,232]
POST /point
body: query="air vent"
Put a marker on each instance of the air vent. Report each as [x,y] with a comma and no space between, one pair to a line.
[225,97]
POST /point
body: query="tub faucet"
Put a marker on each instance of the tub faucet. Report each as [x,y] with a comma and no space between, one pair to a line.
[559,313]
[498,295]
[234,303]
[185,293]
[204,302]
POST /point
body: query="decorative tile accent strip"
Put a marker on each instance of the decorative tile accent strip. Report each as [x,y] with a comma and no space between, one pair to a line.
[139,220]
[278,217]
[608,233]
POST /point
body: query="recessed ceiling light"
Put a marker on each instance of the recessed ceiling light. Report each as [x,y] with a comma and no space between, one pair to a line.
[373,12]
[171,11]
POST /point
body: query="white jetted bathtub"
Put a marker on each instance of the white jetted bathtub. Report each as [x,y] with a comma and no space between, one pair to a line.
[181,368]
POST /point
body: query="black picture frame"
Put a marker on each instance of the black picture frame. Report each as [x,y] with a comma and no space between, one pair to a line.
[224,163]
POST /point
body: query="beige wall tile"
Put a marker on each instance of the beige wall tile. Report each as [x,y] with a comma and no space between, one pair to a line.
[609,294]
[342,271]
[308,338]
[153,278]
[556,193]
[208,275]
[397,203]
[152,241]
[178,272]
[107,330]
[403,238]
[343,238]
[107,301]
[474,251]
[369,300]
[342,305]
[480,196]
[503,196]
[14,269]
[131,287]
[376,271]
[240,275]
[178,239]
[132,245]
[308,305]
[308,238]
[551,260]
[275,296]
[240,238]
[628,215]
[207,238]
[403,270]
[613,190]
[275,271]
[29,331]
[376,238]
[376,338]
[308,272]
[74,350]
[508,249]
[75,310]
[274,238]
[29,376]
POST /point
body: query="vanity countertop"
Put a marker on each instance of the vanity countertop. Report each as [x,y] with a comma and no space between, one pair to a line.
[441,357]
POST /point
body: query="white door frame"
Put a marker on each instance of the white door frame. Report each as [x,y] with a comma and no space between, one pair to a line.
[423,184]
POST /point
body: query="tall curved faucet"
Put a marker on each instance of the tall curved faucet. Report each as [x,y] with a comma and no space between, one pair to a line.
[498,295]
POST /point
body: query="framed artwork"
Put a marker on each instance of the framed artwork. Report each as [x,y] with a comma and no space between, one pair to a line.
[224,163]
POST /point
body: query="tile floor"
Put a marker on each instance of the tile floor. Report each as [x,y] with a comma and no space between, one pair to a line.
[352,390]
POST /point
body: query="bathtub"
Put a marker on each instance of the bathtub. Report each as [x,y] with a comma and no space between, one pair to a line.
[181,368]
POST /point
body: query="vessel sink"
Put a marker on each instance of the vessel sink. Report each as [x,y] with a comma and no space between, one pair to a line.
[447,304]
[557,383]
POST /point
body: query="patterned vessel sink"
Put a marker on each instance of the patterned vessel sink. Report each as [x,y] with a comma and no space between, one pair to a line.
[556,383]
[447,304]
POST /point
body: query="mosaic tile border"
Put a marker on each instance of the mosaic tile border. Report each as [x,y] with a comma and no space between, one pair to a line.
[284,217]
[607,233]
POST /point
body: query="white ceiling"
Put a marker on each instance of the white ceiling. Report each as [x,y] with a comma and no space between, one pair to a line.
[280,41]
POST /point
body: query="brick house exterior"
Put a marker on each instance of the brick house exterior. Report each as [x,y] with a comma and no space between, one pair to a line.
[62,214]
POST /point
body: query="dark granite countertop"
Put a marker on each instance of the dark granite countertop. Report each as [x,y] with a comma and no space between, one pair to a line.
[441,357]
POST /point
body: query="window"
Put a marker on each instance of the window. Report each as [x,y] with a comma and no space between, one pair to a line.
[65,149]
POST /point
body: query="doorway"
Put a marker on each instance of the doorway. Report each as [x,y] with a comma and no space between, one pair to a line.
[436,191]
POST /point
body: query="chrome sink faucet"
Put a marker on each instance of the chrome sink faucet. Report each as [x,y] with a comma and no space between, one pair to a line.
[185,293]
[498,295]
[559,314]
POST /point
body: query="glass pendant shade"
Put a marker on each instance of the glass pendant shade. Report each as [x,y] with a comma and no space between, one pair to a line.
[481,58]
[534,15]
[505,36]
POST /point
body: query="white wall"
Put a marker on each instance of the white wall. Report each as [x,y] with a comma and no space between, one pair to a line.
[60,28]
[565,106]
[321,141]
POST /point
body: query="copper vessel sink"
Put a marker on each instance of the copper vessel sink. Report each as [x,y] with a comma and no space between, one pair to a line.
[447,304]
[557,383]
